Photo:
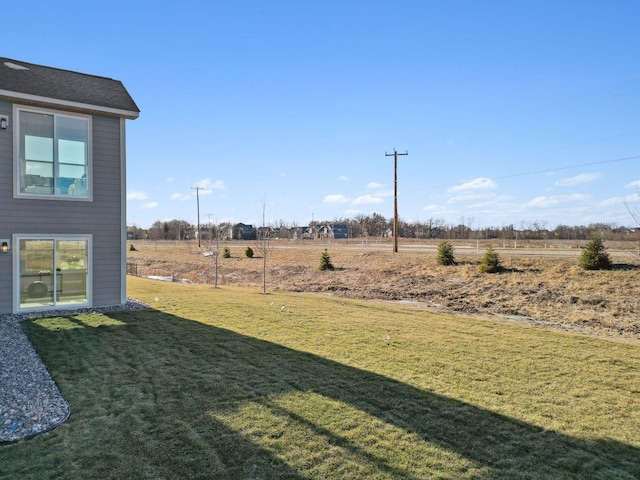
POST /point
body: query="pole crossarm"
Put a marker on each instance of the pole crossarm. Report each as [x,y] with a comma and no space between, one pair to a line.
[395,195]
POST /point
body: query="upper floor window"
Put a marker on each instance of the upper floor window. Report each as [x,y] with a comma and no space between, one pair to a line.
[53,154]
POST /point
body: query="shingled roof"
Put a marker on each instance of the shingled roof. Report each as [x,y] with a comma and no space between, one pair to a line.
[30,82]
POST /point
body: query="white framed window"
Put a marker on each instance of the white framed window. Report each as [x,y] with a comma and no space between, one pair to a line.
[53,154]
[52,271]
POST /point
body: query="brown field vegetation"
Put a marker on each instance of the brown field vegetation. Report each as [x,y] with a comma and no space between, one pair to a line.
[540,286]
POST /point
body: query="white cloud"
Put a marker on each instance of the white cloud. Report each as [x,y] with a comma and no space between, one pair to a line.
[207,187]
[434,209]
[475,197]
[374,185]
[555,200]
[635,184]
[609,202]
[367,200]
[493,201]
[620,200]
[343,178]
[150,205]
[476,184]
[134,195]
[335,199]
[577,180]
[383,193]
[541,202]
[169,179]
[180,196]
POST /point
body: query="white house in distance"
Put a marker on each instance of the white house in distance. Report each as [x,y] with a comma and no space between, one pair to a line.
[62,188]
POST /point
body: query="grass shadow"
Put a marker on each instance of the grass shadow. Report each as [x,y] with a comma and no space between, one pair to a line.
[164,401]
[624,266]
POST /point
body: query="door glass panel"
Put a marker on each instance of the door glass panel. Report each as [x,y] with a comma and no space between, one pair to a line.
[71,267]
[37,280]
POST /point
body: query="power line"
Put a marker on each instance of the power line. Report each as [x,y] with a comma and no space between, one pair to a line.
[566,168]
[536,172]
[589,142]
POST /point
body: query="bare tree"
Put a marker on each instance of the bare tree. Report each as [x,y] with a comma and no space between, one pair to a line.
[283,229]
[212,246]
[635,214]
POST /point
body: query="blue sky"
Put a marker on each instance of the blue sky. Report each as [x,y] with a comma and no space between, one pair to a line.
[511,112]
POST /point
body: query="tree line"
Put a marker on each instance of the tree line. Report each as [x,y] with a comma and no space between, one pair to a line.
[376,225]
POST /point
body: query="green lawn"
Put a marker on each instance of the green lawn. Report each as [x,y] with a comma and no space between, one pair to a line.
[227,384]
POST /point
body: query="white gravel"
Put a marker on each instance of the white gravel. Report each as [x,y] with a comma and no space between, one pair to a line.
[30,401]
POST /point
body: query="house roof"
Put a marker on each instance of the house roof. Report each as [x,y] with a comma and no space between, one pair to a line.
[38,83]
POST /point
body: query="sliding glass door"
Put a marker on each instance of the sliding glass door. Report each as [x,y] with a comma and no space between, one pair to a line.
[53,272]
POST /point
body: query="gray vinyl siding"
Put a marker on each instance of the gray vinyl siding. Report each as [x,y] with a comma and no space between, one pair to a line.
[6,194]
[100,218]
[105,217]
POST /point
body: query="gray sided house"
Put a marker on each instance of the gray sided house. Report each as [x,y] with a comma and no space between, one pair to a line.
[244,232]
[339,230]
[62,188]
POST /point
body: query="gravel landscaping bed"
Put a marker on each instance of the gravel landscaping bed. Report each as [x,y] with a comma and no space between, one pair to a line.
[30,401]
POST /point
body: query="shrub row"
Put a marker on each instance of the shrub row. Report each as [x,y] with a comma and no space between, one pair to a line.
[594,257]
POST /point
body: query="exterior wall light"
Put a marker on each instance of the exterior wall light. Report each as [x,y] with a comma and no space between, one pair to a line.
[4,122]
[4,248]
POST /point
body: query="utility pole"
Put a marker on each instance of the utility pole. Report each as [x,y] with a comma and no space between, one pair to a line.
[395,196]
[197,189]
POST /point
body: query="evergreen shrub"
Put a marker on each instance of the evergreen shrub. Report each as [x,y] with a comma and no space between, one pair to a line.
[594,255]
[325,261]
[445,255]
[490,261]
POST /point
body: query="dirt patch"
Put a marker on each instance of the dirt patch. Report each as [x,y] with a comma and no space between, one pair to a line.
[544,290]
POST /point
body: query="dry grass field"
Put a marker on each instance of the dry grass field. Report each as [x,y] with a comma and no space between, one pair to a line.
[542,287]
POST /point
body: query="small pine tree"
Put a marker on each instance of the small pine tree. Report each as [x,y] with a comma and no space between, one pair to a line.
[325,261]
[445,254]
[226,253]
[490,261]
[594,255]
[248,252]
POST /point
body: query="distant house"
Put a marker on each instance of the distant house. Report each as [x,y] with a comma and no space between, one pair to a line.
[335,231]
[324,231]
[62,185]
[132,235]
[244,232]
[203,232]
[307,233]
[265,232]
[339,230]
